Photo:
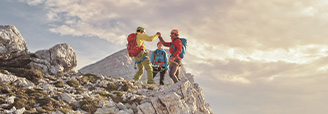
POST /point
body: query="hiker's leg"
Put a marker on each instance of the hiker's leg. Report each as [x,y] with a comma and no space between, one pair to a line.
[155,71]
[139,73]
[161,79]
[178,73]
[149,70]
[178,70]
[173,69]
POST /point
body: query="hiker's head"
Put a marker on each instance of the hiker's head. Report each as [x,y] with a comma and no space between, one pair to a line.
[140,29]
[159,45]
[174,33]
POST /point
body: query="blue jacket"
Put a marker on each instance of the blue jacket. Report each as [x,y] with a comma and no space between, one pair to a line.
[160,58]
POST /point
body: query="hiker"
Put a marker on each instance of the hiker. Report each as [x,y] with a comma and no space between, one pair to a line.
[177,47]
[160,62]
[137,49]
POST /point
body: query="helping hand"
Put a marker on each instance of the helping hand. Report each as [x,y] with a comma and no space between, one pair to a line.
[159,34]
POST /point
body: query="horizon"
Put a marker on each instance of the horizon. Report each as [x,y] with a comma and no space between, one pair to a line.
[249,57]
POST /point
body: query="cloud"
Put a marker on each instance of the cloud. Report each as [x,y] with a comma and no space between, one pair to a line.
[239,24]
[254,87]
[33,2]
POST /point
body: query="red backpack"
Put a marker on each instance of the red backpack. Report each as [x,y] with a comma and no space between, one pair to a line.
[132,46]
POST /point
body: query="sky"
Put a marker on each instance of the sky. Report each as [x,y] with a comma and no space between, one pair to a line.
[248,56]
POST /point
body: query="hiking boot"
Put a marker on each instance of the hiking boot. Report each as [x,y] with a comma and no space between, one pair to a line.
[150,82]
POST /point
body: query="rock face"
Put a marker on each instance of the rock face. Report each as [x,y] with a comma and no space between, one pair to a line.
[183,97]
[13,51]
[100,95]
[59,58]
[120,64]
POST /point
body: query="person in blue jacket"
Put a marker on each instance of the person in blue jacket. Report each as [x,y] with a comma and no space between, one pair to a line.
[160,62]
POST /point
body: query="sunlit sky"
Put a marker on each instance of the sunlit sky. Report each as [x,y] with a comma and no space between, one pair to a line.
[249,56]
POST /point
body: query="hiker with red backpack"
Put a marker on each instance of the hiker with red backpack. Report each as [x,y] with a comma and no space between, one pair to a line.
[160,62]
[137,49]
[177,50]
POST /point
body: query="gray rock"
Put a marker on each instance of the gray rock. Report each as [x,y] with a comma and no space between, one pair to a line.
[146,108]
[67,98]
[121,106]
[6,79]
[20,111]
[57,112]
[64,55]
[23,82]
[109,104]
[125,112]
[59,58]
[15,111]
[183,97]
[10,100]
[13,51]
[111,110]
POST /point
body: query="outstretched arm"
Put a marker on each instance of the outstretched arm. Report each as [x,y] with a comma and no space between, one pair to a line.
[166,44]
[146,37]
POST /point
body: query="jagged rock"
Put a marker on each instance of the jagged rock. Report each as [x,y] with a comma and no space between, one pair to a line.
[57,112]
[10,100]
[67,98]
[6,79]
[183,97]
[23,82]
[125,112]
[20,111]
[112,110]
[121,106]
[109,104]
[13,51]
[14,111]
[59,58]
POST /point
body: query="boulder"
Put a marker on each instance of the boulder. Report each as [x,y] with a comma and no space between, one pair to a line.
[13,50]
[60,58]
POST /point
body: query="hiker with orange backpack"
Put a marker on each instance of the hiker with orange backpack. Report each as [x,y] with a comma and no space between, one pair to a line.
[177,50]
[137,49]
[160,62]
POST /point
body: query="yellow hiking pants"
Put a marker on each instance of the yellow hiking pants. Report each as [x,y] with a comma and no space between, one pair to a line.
[144,64]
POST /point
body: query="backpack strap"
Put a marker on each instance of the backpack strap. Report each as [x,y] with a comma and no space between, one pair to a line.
[164,58]
[159,63]
[155,52]
[173,42]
